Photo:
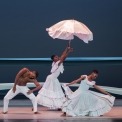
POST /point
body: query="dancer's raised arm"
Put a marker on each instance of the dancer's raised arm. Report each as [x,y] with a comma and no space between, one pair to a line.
[65,54]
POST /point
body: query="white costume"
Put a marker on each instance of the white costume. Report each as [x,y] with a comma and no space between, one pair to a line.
[19,89]
[85,102]
[51,95]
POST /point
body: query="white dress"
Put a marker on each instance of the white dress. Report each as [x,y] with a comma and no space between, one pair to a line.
[86,102]
[51,95]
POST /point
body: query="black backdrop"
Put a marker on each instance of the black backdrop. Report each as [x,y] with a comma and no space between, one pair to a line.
[23,35]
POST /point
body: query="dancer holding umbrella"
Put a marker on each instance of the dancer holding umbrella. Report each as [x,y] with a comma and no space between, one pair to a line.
[51,95]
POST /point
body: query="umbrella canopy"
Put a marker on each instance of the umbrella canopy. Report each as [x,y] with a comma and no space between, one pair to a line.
[67,29]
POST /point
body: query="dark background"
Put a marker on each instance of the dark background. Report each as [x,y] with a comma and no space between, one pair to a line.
[23,26]
[23,34]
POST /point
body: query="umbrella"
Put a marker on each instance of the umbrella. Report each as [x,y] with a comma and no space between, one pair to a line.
[67,29]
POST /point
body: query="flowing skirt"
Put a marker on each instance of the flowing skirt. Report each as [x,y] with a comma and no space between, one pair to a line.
[51,95]
[87,103]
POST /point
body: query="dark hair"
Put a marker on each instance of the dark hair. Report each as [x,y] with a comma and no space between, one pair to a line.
[95,71]
[36,72]
[52,57]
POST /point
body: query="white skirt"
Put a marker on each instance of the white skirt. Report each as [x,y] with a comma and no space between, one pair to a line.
[87,103]
[51,95]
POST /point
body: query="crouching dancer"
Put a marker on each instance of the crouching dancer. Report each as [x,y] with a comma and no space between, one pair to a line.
[23,77]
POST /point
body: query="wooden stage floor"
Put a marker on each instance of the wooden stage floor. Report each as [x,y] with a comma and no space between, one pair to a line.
[18,112]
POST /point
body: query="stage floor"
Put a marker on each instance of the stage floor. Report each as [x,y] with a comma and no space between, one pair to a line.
[19,112]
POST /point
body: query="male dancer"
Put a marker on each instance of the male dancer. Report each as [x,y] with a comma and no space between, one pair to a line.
[23,77]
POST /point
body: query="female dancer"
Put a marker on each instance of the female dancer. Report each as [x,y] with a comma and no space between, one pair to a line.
[84,102]
[51,95]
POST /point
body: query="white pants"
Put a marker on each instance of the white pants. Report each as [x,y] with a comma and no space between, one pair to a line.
[23,90]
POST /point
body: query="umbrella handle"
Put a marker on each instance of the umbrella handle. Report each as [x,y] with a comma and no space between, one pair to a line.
[69,43]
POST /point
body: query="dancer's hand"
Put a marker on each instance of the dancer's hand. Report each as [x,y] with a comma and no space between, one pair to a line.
[64,85]
[109,94]
[67,84]
[29,92]
[14,89]
[69,49]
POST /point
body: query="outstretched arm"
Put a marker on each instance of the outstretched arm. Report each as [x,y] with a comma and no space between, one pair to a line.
[19,74]
[65,54]
[76,81]
[101,90]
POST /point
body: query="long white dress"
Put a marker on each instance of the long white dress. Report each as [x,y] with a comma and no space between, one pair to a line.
[84,102]
[51,95]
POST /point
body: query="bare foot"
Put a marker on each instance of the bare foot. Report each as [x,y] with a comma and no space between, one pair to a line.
[36,112]
[5,112]
[64,114]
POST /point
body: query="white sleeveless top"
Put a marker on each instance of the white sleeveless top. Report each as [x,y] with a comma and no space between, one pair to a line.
[86,84]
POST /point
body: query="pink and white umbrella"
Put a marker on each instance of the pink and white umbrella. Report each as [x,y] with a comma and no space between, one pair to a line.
[67,29]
